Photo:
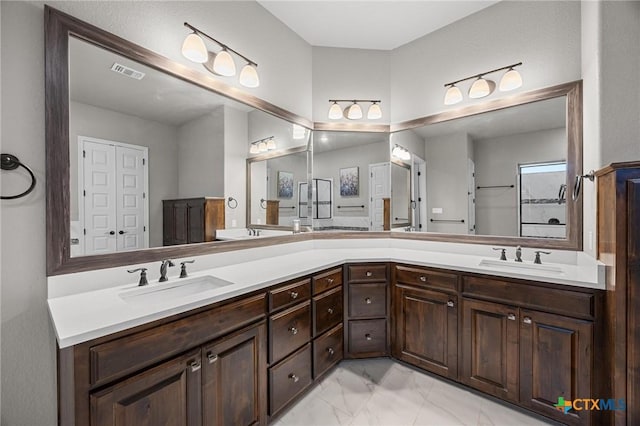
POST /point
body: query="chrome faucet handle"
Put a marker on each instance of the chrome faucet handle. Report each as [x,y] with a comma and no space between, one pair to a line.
[503,254]
[537,260]
[518,254]
[183,268]
[163,269]
[143,275]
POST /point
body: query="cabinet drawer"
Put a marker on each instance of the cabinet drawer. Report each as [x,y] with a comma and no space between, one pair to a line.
[327,350]
[326,280]
[367,273]
[289,294]
[131,353]
[289,330]
[368,337]
[327,310]
[289,378]
[426,278]
[367,300]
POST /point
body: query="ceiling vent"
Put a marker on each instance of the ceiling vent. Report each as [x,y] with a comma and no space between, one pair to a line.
[129,72]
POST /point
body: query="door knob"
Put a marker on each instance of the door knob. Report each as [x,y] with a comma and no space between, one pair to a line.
[112,232]
[122,232]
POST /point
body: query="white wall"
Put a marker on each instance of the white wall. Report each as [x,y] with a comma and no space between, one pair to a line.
[545,36]
[87,120]
[350,74]
[235,154]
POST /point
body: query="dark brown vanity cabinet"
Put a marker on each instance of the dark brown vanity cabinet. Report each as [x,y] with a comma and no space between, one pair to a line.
[192,220]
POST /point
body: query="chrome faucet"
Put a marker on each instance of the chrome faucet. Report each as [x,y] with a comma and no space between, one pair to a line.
[537,260]
[518,254]
[163,269]
[503,252]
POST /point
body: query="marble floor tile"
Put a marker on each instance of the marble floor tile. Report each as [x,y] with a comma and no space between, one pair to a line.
[383,392]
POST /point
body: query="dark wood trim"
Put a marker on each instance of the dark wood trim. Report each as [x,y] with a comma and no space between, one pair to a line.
[351,127]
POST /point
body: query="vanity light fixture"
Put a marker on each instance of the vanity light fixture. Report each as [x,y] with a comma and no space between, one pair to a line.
[263,145]
[354,111]
[299,132]
[482,86]
[401,152]
[221,63]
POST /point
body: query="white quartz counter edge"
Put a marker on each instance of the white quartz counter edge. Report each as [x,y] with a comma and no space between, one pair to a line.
[81,317]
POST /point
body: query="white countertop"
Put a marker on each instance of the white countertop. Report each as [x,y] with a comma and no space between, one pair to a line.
[82,316]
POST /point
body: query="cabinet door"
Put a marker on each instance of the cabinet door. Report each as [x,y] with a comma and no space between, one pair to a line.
[426,325]
[169,394]
[556,360]
[490,348]
[234,375]
[196,221]
[180,223]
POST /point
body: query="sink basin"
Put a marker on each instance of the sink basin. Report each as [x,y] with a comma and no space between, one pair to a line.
[155,293]
[524,267]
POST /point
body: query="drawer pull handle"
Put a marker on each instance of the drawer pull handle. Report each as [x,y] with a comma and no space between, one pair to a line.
[293,330]
[294,378]
[423,278]
[330,311]
[293,294]
[195,366]
[450,304]
[367,300]
[331,351]
[212,358]
[368,336]
[369,273]
[527,320]
[511,317]
[330,280]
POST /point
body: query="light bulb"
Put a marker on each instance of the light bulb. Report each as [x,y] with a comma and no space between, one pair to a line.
[406,155]
[396,151]
[374,112]
[249,76]
[481,88]
[223,64]
[353,112]
[262,147]
[254,149]
[193,49]
[335,112]
[510,80]
[453,95]
[271,144]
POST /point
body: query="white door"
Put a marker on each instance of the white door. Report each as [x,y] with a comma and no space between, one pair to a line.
[379,189]
[419,193]
[471,182]
[99,194]
[130,218]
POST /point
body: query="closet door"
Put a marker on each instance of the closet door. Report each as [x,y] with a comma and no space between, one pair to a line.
[130,176]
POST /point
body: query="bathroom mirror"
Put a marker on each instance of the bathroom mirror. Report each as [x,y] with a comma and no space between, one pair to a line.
[154,139]
[351,179]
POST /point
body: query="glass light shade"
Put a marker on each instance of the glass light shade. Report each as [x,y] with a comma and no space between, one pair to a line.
[453,95]
[271,144]
[374,112]
[335,112]
[223,64]
[397,151]
[193,49]
[510,80]
[254,149]
[299,132]
[406,155]
[249,76]
[481,88]
[262,147]
[353,112]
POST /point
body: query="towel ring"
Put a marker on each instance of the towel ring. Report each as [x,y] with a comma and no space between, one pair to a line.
[577,185]
[11,162]
[262,203]
[232,203]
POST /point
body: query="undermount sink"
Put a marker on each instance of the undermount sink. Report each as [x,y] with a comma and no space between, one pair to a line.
[181,287]
[524,267]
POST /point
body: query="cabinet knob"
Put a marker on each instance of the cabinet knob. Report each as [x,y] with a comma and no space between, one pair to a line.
[212,358]
[367,300]
[293,294]
[195,366]
[330,280]
[527,320]
[369,273]
[293,330]
[330,311]
[511,317]
[423,278]
[294,378]
[331,351]
[450,304]
[368,336]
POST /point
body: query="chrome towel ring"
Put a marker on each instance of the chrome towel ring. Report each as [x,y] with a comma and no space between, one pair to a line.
[11,162]
[232,203]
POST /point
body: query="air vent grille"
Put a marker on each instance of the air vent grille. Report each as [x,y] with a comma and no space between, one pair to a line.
[129,72]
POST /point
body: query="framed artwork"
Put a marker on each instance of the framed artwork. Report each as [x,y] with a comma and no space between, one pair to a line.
[349,182]
[285,185]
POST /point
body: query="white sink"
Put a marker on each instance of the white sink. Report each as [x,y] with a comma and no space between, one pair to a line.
[176,289]
[524,267]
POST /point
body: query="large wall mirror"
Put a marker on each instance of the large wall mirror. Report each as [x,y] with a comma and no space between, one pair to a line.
[153,156]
